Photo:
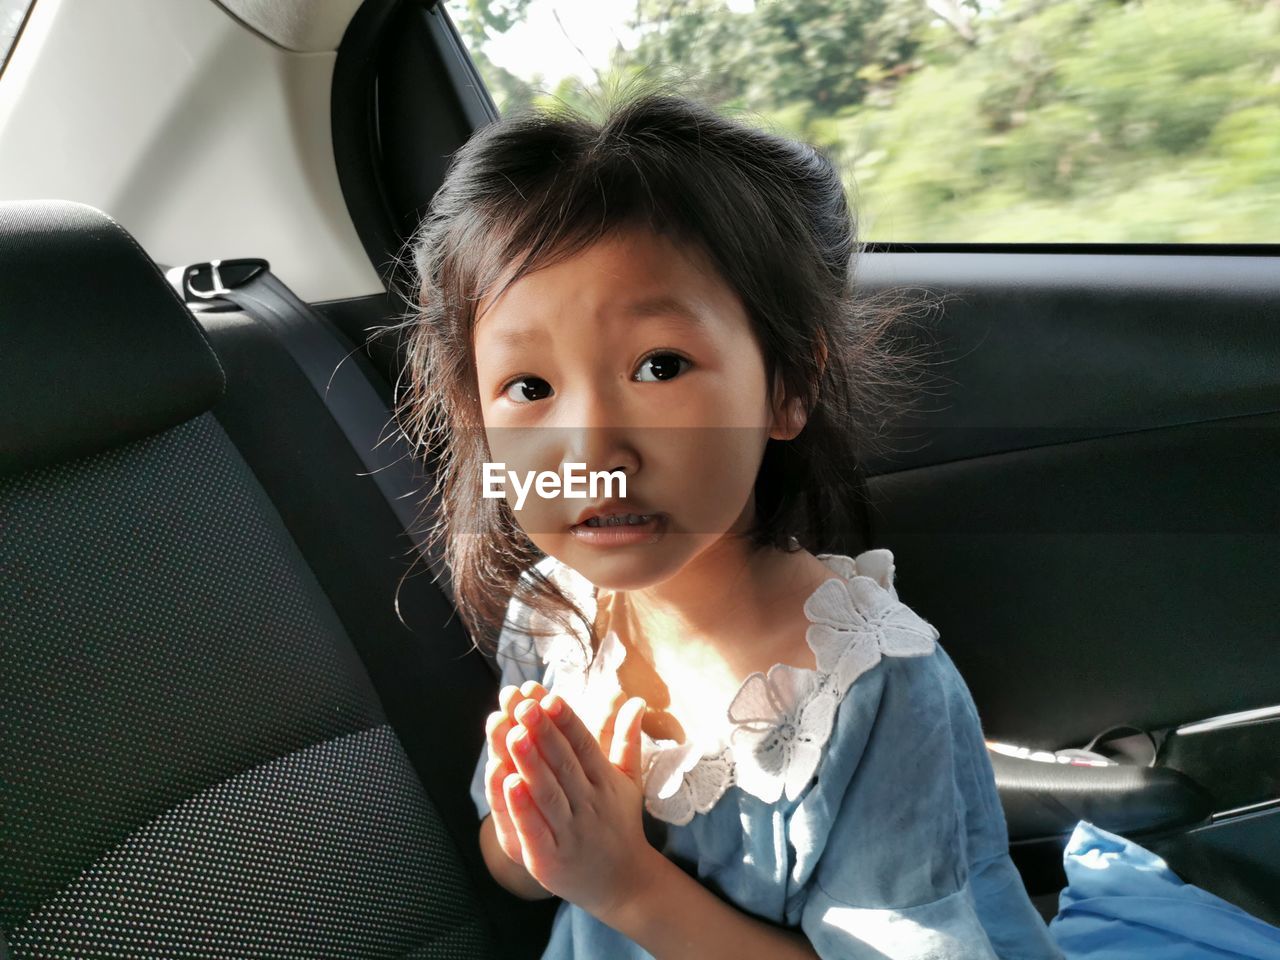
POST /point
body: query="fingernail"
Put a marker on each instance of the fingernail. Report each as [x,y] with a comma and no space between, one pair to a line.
[512,784]
[527,712]
[553,705]
[519,741]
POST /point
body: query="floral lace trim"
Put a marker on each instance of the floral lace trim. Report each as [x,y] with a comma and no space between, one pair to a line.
[779,722]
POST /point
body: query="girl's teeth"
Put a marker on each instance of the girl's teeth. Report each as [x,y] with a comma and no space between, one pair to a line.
[628,519]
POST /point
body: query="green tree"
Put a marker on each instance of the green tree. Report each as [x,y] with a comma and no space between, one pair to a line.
[825,53]
[972,120]
[479,21]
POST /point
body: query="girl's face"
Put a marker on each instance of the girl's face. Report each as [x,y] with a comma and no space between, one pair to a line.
[632,355]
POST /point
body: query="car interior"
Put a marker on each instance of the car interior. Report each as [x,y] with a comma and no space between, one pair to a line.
[240,714]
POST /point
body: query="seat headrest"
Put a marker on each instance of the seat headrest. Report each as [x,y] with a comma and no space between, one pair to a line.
[96,349]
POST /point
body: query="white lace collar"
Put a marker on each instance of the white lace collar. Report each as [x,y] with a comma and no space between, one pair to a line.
[778,723]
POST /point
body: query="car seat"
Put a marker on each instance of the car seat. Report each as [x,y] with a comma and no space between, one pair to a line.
[219,739]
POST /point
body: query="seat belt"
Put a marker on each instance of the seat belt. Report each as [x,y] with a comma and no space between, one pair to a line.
[320,349]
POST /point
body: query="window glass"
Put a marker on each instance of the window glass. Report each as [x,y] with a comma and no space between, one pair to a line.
[1147,121]
[12,13]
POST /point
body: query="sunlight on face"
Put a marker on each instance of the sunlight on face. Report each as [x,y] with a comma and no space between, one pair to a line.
[631,355]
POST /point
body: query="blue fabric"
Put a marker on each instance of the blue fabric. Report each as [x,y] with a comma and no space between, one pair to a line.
[898,848]
[1123,901]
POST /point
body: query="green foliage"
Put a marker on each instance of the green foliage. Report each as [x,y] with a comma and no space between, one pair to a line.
[478,20]
[971,120]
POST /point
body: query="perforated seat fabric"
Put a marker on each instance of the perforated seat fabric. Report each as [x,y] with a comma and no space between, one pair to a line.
[195,763]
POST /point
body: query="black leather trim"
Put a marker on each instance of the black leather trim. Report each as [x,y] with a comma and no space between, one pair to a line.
[1049,799]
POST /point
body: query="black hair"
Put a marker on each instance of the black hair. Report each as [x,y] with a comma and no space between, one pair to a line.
[769,212]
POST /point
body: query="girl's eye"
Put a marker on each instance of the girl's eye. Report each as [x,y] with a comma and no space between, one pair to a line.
[666,365]
[526,389]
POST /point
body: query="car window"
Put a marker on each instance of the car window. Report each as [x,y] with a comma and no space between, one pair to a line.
[12,13]
[956,120]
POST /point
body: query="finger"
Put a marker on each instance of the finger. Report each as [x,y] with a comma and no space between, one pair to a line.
[496,727]
[605,736]
[494,773]
[504,830]
[536,841]
[508,697]
[541,781]
[592,759]
[511,695]
[626,743]
[556,752]
[533,689]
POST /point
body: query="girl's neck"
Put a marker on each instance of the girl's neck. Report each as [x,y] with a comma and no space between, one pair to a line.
[693,639]
[732,602]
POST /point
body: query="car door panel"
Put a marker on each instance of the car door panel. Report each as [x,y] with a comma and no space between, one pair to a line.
[1087,513]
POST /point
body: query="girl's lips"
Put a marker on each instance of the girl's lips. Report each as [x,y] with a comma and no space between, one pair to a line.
[623,534]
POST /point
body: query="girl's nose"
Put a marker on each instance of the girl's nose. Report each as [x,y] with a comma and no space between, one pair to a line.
[602,448]
[599,435]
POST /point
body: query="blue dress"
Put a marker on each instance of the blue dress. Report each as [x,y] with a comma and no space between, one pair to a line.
[1123,901]
[855,802]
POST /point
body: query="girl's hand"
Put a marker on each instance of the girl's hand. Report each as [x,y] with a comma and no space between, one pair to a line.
[577,812]
[499,766]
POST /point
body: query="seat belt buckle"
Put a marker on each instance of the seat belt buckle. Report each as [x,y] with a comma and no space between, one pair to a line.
[208,283]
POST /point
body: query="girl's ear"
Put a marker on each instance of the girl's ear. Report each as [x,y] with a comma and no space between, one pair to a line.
[789,415]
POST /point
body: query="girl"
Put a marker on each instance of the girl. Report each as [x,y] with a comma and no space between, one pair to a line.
[716,736]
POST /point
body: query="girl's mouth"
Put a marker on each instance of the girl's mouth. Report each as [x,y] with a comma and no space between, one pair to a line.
[620,519]
[622,529]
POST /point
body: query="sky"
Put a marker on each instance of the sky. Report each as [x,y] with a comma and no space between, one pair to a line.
[540,45]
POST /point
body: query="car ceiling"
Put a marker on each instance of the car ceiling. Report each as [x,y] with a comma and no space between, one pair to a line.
[203,128]
[303,26]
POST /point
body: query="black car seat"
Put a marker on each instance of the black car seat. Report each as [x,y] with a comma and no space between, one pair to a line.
[220,737]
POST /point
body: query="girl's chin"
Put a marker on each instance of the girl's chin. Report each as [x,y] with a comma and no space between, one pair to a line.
[636,567]
[624,568]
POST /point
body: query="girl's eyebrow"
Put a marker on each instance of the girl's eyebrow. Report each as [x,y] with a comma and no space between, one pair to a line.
[518,337]
[665,305]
